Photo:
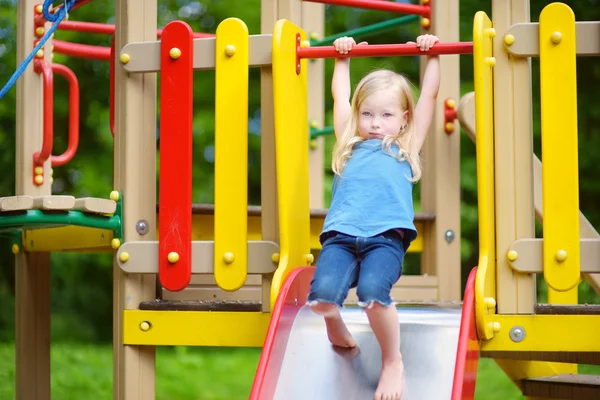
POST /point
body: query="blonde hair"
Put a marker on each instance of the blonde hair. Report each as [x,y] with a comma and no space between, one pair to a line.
[405,139]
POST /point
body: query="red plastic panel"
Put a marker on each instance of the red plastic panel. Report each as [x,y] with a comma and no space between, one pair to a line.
[175,213]
[467,355]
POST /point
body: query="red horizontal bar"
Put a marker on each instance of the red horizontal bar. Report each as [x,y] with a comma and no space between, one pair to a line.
[89,27]
[382,50]
[69,153]
[82,50]
[108,29]
[381,5]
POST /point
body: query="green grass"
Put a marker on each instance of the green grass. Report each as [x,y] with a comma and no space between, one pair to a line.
[186,373]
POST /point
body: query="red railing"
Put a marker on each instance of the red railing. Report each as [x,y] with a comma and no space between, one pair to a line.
[81,50]
[73,141]
[108,29]
[47,70]
[381,5]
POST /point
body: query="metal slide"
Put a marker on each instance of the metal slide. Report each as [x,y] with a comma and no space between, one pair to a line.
[299,363]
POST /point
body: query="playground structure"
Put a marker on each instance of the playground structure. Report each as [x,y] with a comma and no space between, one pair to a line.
[243,282]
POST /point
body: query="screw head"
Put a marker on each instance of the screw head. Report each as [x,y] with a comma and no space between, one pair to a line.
[517,333]
[449,236]
[142,227]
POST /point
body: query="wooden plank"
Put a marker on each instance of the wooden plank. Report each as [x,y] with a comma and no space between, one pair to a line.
[525,39]
[251,293]
[142,257]
[256,211]
[16,203]
[145,56]
[564,386]
[95,205]
[570,309]
[54,203]
[576,357]
[201,305]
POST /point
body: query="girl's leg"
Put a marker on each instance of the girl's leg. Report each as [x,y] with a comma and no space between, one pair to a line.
[384,323]
[381,267]
[337,269]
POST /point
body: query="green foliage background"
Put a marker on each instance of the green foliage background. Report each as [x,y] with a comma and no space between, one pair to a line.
[82,283]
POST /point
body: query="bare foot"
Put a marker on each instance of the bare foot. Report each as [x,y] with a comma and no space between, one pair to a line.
[338,333]
[391,381]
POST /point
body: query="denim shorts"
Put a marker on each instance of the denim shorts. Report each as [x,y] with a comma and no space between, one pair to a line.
[372,265]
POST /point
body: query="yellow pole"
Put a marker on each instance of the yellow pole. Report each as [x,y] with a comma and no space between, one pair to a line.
[560,180]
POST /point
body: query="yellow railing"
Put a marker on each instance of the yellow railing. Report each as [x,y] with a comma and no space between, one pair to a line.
[290,98]
[560,183]
[483,63]
[231,161]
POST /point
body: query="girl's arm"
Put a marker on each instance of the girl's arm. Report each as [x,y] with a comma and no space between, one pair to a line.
[340,85]
[429,91]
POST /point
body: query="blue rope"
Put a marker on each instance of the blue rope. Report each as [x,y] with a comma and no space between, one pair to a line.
[56,18]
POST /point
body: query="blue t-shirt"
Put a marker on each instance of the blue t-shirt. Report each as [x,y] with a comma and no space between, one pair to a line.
[373,195]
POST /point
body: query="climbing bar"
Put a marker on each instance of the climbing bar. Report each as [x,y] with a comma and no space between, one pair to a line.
[82,50]
[73,142]
[231,162]
[560,182]
[175,192]
[39,158]
[315,133]
[365,30]
[381,5]
[383,50]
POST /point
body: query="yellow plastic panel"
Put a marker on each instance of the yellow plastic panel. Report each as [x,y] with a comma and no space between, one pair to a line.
[195,328]
[560,181]
[290,96]
[68,238]
[231,154]
[565,333]
[483,63]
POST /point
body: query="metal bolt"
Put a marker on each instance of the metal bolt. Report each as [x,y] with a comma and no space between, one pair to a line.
[449,235]
[142,227]
[517,333]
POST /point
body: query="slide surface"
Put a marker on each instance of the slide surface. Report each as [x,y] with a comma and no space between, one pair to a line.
[298,362]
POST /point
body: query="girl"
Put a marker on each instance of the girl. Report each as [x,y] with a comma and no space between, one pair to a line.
[369,225]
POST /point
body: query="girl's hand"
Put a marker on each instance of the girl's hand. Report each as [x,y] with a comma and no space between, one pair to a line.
[426,42]
[344,44]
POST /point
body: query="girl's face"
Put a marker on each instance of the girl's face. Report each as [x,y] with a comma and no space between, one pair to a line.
[380,115]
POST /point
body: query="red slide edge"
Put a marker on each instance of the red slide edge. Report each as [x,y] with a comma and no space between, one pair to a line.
[292,298]
[467,354]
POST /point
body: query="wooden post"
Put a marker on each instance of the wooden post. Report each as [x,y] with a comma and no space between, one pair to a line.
[513,149]
[313,22]
[32,271]
[440,185]
[135,177]
[269,209]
